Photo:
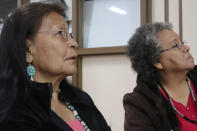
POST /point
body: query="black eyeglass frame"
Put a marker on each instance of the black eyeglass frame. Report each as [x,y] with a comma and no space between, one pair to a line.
[177,45]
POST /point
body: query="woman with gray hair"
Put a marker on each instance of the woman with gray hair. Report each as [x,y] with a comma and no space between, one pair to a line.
[165,96]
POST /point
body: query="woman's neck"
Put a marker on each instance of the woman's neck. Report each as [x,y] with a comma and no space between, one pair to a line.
[43,78]
[176,87]
[55,85]
[171,81]
[175,83]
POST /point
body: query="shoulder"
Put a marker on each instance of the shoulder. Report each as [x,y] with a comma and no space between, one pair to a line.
[27,113]
[140,104]
[131,96]
[140,112]
[134,100]
[81,93]
[73,94]
[82,96]
[20,119]
[18,125]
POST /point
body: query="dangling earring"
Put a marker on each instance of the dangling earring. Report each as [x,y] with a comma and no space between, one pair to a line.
[31,71]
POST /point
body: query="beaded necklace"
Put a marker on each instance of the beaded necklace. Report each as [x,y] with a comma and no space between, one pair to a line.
[74,111]
[172,104]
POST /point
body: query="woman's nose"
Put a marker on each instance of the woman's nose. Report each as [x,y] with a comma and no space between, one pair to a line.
[72,43]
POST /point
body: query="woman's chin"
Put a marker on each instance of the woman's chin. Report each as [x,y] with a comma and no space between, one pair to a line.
[71,72]
[191,66]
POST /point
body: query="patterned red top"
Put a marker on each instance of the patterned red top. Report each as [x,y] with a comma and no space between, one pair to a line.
[190,111]
[75,125]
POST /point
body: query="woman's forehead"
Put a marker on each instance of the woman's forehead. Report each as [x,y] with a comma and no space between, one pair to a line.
[168,36]
[53,20]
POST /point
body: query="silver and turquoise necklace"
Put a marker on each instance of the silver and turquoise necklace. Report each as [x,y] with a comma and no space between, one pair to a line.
[74,111]
[172,104]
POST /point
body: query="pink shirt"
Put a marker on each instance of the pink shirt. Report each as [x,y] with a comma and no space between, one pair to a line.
[75,125]
[190,111]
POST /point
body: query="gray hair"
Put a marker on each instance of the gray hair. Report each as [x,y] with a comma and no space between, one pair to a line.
[144,48]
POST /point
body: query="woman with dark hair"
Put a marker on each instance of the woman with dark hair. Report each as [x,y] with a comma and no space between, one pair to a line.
[37,53]
[165,96]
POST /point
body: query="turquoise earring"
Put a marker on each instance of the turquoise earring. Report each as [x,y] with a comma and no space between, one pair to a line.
[31,71]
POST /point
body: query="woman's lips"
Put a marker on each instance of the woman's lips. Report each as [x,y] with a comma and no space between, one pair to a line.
[71,57]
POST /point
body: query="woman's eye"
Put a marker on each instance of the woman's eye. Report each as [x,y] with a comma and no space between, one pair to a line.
[175,46]
[61,32]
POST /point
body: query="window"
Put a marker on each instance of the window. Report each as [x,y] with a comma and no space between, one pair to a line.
[109,23]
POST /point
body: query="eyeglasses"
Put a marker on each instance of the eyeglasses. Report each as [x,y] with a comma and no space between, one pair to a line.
[177,45]
[61,33]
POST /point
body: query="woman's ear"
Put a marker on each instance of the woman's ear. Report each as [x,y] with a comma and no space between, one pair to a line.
[158,65]
[29,51]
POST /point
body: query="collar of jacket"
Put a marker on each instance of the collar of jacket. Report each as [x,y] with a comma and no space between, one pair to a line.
[42,93]
[153,92]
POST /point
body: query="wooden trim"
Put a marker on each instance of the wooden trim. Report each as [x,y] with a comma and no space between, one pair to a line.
[102,51]
[180,19]
[79,68]
[145,11]
[77,77]
[74,19]
[77,21]
[166,10]
[149,11]
[19,3]
[76,29]
[22,2]
[75,32]
[80,23]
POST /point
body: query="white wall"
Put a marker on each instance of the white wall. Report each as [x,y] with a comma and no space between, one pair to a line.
[190,25]
[158,10]
[174,14]
[107,79]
